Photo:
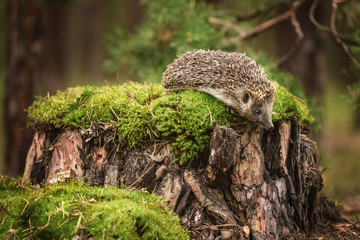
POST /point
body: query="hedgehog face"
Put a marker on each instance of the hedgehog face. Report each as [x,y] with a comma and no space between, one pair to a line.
[255,111]
[246,104]
[262,114]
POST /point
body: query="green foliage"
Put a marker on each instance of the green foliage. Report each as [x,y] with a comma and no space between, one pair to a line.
[171,28]
[63,211]
[139,112]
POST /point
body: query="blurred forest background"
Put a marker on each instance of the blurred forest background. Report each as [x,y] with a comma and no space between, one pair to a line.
[310,46]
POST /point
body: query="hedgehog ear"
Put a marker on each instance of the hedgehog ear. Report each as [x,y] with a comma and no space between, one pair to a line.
[246,97]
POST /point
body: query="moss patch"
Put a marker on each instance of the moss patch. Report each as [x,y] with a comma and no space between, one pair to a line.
[188,118]
[61,212]
[139,112]
[287,106]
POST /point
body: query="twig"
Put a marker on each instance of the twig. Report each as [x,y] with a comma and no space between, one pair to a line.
[142,176]
[247,16]
[335,33]
[27,204]
[260,28]
[239,17]
[226,24]
[299,38]
[217,227]
[266,25]
[291,13]
[114,113]
[78,223]
[312,17]
[323,27]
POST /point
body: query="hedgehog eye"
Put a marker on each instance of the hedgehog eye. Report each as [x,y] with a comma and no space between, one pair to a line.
[246,98]
[257,111]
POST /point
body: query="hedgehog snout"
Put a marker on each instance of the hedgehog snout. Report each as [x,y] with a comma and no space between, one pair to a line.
[269,126]
[265,119]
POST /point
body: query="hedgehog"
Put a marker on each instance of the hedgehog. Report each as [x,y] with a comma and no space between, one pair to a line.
[230,77]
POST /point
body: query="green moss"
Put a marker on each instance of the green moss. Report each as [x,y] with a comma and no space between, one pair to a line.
[139,112]
[287,106]
[125,107]
[61,212]
[47,111]
[188,117]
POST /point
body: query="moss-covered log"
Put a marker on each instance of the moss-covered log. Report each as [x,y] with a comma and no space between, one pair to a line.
[222,176]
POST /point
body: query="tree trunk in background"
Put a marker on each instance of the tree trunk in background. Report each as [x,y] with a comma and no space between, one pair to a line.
[51,44]
[24,46]
[308,62]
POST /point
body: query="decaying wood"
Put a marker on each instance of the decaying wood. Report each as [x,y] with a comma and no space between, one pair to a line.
[249,183]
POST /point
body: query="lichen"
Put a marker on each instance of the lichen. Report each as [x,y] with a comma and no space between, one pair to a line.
[139,111]
[64,211]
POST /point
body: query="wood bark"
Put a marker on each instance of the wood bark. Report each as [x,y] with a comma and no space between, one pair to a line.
[249,183]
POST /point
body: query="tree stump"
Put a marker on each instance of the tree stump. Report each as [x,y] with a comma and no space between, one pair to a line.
[249,183]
